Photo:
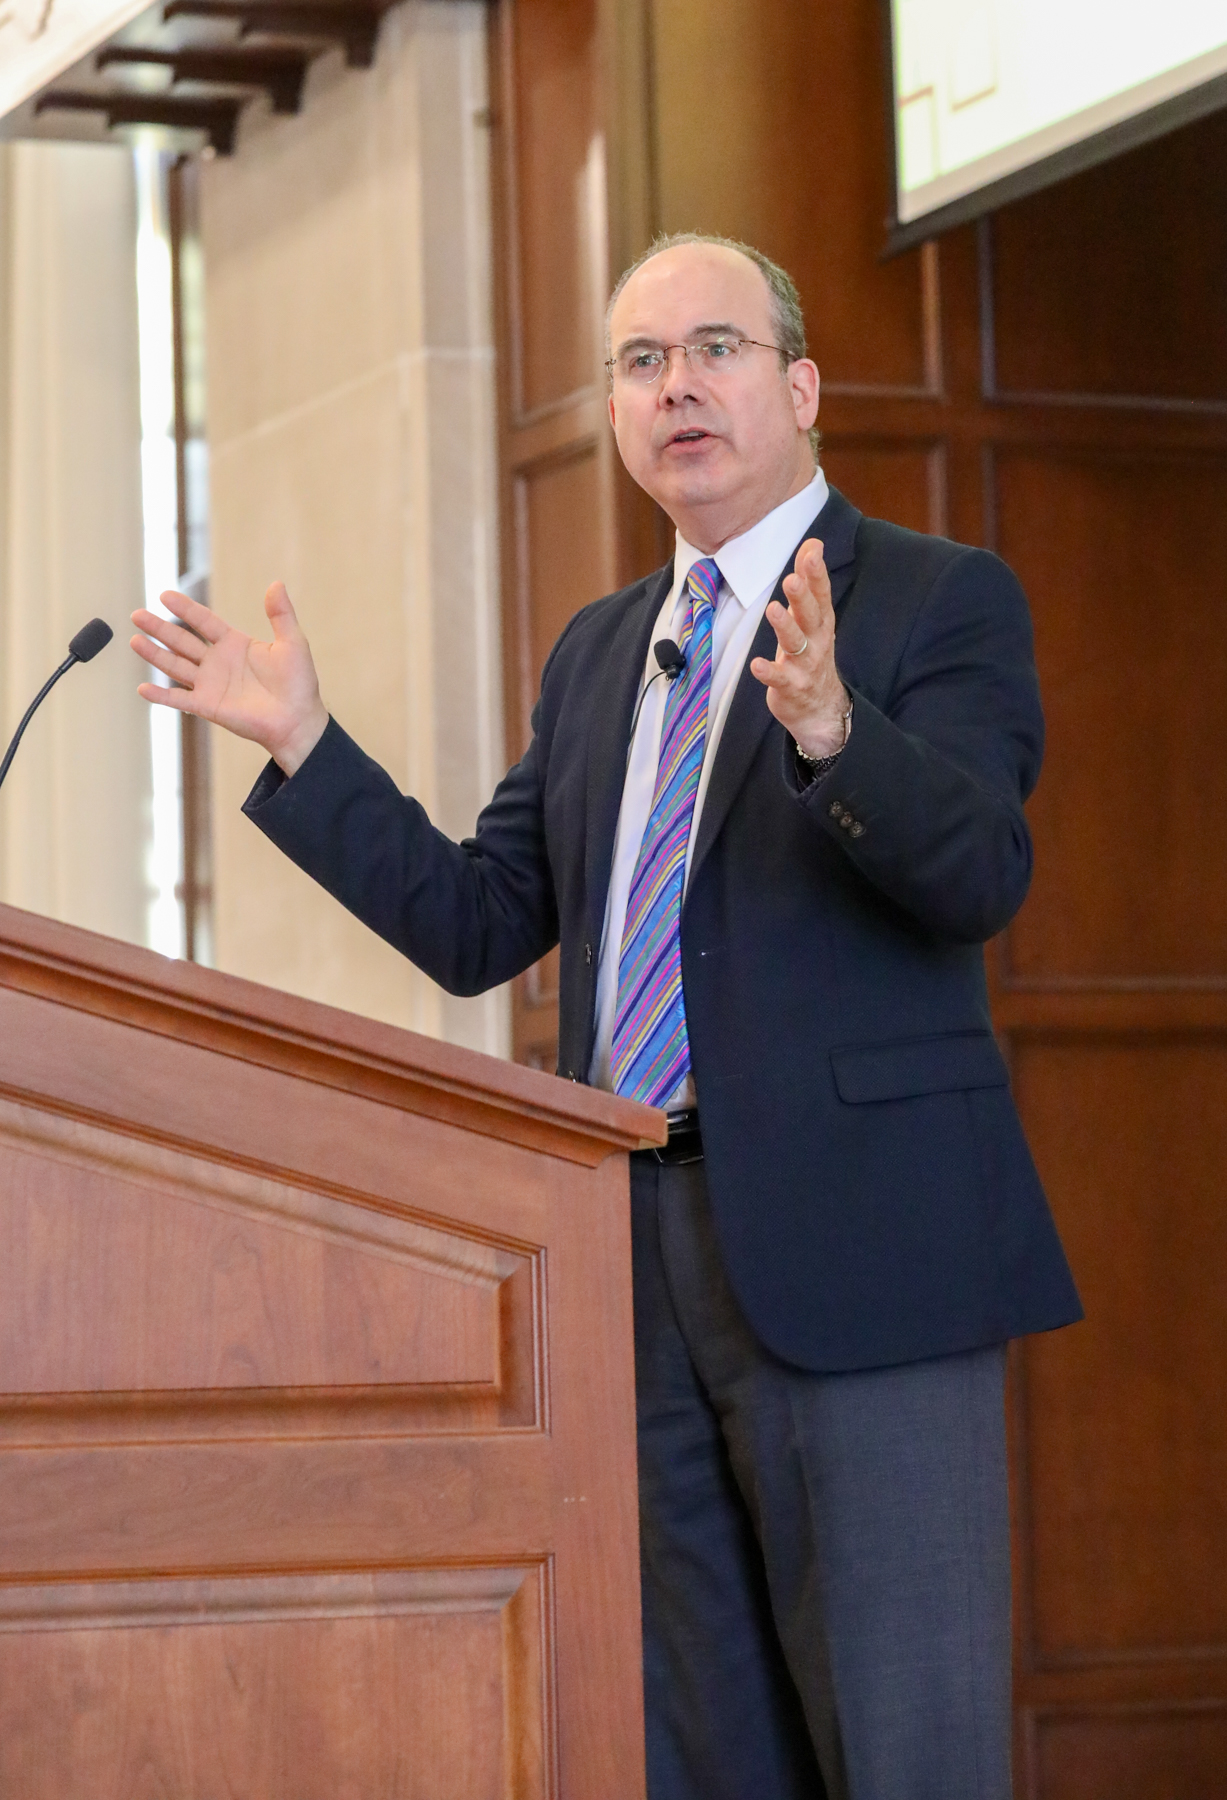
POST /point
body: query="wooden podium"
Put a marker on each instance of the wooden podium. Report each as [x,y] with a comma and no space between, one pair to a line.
[317,1434]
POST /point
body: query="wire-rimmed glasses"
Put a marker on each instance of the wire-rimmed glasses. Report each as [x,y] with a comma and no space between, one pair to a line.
[641,364]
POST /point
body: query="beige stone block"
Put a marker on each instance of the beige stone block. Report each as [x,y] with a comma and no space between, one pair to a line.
[74,813]
[279,928]
[316,500]
[453,145]
[319,500]
[314,234]
[455,544]
[352,440]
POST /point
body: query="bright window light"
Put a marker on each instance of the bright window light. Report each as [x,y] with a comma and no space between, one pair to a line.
[164,852]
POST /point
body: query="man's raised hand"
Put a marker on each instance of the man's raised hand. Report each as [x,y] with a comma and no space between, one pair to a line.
[804,690]
[267,692]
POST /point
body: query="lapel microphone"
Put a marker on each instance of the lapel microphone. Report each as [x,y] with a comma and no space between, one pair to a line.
[672,663]
[83,648]
[670,658]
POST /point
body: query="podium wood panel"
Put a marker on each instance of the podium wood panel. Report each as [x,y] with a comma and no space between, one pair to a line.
[317,1466]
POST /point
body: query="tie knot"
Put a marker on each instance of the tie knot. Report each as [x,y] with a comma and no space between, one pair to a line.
[704,581]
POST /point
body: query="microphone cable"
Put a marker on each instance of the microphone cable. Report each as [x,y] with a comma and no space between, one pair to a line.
[84,647]
[672,664]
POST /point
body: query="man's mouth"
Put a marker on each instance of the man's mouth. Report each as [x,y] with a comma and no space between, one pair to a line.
[692,435]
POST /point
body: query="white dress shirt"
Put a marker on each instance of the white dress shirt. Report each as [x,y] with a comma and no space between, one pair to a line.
[749,566]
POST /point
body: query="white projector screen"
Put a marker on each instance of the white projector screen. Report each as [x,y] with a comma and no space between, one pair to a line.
[994,98]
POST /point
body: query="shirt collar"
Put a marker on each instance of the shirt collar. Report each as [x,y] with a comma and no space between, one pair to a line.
[751,564]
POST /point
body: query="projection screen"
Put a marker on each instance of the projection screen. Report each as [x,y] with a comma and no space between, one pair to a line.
[994,98]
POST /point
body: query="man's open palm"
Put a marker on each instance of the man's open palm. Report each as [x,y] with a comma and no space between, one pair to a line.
[267,692]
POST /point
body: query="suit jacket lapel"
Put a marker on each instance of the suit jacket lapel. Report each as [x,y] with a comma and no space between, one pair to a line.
[608,740]
[748,717]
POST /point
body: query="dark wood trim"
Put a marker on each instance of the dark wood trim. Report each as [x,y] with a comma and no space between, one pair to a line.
[216,116]
[196,41]
[280,73]
[539,437]
[1168,1011]
[1116,401]
[354,25]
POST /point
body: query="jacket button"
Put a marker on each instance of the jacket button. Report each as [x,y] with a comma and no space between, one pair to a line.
[845,819]
[835,808]
[856,829]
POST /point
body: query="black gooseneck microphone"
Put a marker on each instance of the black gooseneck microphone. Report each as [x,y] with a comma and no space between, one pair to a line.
[84,647]
[672,662]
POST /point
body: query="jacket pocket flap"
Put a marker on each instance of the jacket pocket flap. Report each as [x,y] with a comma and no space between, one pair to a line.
[912,1066]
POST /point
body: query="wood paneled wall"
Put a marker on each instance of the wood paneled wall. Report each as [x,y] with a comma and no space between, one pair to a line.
[1052,384]
[550,269]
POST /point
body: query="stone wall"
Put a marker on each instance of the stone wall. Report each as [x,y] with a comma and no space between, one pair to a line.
[352,452]
[74,811]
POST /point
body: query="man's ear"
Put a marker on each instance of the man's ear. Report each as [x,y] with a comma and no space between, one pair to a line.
[803,382]
[612,420]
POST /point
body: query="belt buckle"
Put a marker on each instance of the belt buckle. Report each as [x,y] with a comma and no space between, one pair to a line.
[685,1143]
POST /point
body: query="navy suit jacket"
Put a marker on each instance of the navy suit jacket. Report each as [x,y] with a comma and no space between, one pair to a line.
[870,1184]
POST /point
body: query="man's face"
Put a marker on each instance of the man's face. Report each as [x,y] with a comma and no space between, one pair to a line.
[716,449]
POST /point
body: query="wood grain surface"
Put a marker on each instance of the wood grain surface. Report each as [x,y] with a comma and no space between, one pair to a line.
[317,1467]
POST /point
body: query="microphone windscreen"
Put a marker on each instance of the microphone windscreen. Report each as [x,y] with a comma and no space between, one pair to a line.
[90,640]
[669,657]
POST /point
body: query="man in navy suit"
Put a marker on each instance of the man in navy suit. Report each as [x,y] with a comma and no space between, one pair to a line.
[770,868]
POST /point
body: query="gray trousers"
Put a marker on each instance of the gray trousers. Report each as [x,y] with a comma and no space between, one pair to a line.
[826,1573]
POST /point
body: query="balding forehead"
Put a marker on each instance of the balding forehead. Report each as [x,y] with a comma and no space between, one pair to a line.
[715,281]
[718,257]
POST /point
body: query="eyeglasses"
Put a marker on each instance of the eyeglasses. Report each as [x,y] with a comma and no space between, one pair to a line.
[641,365]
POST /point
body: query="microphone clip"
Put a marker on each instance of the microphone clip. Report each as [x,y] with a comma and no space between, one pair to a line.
[672,660]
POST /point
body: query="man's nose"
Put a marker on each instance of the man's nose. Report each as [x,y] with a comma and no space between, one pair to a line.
[677,379]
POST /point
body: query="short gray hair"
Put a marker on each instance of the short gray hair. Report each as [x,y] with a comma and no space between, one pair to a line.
[787,319]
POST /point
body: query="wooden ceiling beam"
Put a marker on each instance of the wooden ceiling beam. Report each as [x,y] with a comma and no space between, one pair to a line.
[355,27]
[213,50]
[279,72]
[215,115]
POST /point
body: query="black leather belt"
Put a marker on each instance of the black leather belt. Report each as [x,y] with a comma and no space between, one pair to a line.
[685,1140]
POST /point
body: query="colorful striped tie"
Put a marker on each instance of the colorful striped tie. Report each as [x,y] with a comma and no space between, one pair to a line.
[650,1053]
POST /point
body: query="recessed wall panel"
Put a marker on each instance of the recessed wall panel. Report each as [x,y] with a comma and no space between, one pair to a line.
[901,482]
[557,221]
[1098,282]
[560,547]
[1119,1753]
[1122,558]
[759,139]
[1126,1464]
